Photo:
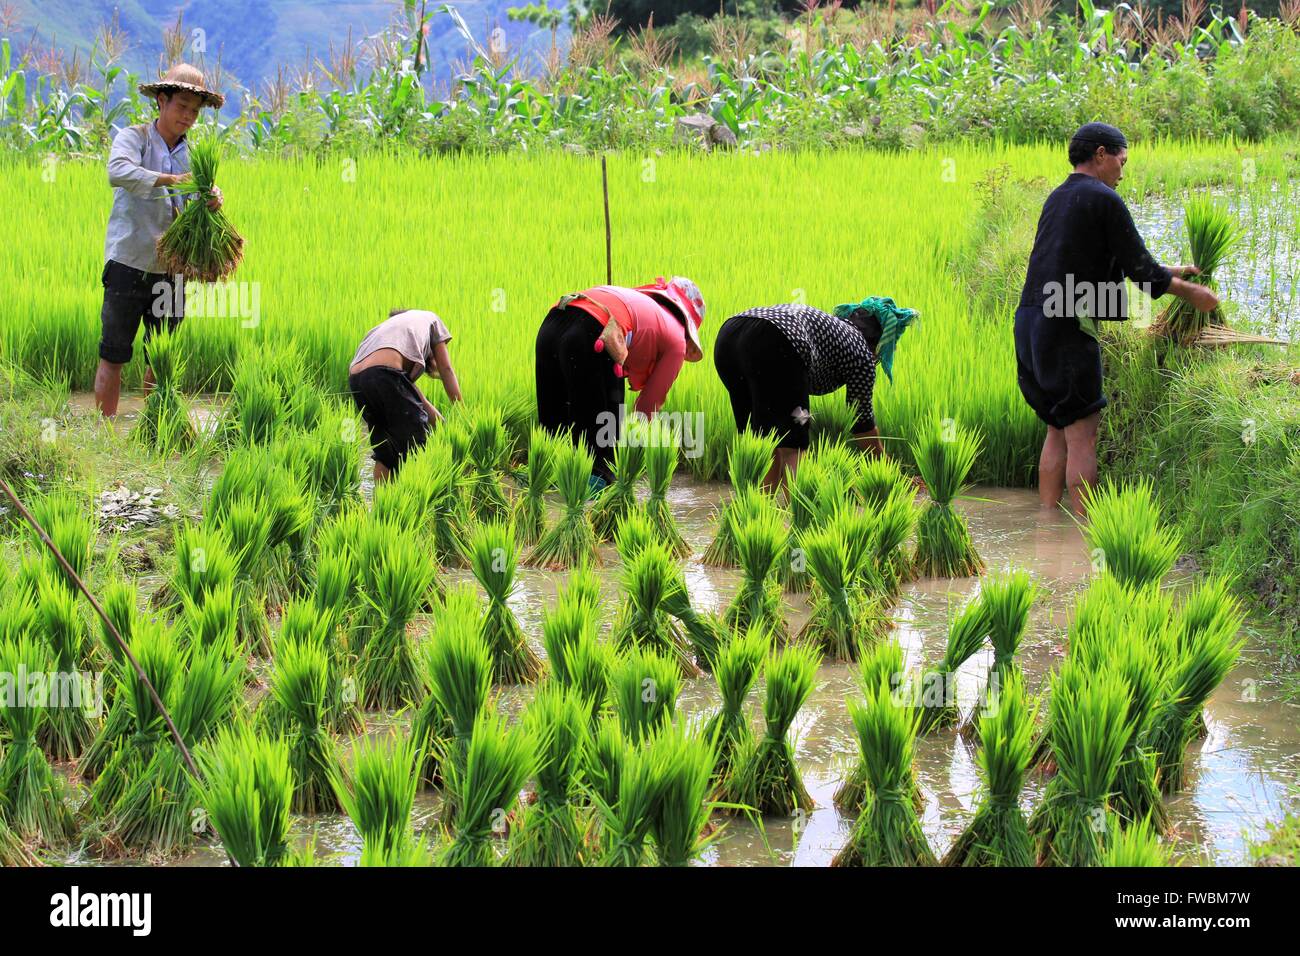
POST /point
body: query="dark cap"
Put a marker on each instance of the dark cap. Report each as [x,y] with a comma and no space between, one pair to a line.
[1103,134]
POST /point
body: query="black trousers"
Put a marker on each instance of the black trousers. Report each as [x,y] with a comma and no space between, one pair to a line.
[765,378]
[576,385]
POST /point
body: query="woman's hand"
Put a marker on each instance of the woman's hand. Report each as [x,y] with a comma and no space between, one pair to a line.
[215,202]
[1183,272]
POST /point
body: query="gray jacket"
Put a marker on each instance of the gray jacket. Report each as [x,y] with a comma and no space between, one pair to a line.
[141,211]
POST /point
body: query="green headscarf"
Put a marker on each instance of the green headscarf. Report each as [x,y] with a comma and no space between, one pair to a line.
[893,323]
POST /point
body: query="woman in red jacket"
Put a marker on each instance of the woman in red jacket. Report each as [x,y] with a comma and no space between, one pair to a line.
[591,340]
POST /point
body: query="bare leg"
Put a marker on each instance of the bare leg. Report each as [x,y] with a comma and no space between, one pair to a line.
[783,459]
[108,387]
[382,473]
[1081,459]
[1051,468]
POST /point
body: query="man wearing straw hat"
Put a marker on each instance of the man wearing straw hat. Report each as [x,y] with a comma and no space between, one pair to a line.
[145,162]
[1085,247]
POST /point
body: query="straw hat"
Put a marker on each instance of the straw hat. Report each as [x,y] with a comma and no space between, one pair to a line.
[182,76]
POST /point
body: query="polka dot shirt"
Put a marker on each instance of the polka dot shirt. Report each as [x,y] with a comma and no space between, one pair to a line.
[834,353]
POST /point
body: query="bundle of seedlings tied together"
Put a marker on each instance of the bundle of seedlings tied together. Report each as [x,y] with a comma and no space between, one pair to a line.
[748,463]
[945,452]
[1212,236]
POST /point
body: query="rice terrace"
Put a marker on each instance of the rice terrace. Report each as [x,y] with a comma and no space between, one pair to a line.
[834,435]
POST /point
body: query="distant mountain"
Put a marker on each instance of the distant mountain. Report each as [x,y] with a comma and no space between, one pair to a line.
[255,37]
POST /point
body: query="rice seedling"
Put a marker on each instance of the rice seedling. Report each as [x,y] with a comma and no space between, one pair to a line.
[530,507]
[1126,534]
[876,479]
[760,546]
[634,532]
[894,521]
[247,788]
[201,244]
[736,671]
[248,528]
[333,448]
[810,490]
[661,455]
[300,685]
[72,529]
[1212,235]
[582,586]
[881,664]
[767,777]
[67,730]
[259,412]
[1007,599]
[31,796]
[644,621]
[684,764]
[458,672]
[500,761]
[550,831]
[628,465]
[386,661]
[489,457]
[998,835]
[887,831]
[644,688]
[842,617]
[571,540]
[315,621]
[945,453]
[165,424]
[577,661]
[378,791]
[1090,730]
[966,632]
[626,790]
[204,562]
[1137,793]
[705,631]
[748,462]
[13,852]
[412,853]
[118,601]
[1135,845]
[493,558]
[1206,648]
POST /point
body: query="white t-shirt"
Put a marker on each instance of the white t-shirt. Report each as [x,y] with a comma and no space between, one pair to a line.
[413,333]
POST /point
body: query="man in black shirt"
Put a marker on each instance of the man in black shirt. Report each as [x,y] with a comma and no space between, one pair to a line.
[1086,246]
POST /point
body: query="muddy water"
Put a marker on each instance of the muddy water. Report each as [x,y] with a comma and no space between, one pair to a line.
[1241,775]
[205,411]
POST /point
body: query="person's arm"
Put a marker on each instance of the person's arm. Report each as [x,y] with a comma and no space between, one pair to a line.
[442,362]
[1126,245]
[125,172]
[858,391]
[1200,297]
[667,366]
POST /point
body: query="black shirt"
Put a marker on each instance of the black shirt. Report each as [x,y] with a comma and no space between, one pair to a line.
[835,355]
[1086,246]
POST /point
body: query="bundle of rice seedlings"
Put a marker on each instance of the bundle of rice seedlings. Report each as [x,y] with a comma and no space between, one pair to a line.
[644,688]
[945,454]
[1126,533]
[877,477]
[811,496]
[31,796]
[119,603]
[317,621]
[1136,845]
[260,412]
[67,731]
[247,787]
[619,498]
[493,557]
[582,586]
[13,852]
[500,761]
[1137,793]
[644,622]
[748,462]
[571,540]
[331,469]
[735,671]
[215,622]
[998,834]
[634,532]
[1007,600]
[489,457]
[204,562]
[300,687]
[413,853]
[660,464]
[578,662]
[1212,235]
[335,590]
[550,831]
[843,619]
[530,508]
[155,812]
[429,492]
[966,632]
[895,518]
[386,661]
[683,762]
[705,631]
[248,528]
[201,244]
[760,546]
[165,424]
[458,673]
[72,529]
[881,665]
[767,777]
[1206,648]
[377,791]
[1090,730]
[887,831]
[626,790]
